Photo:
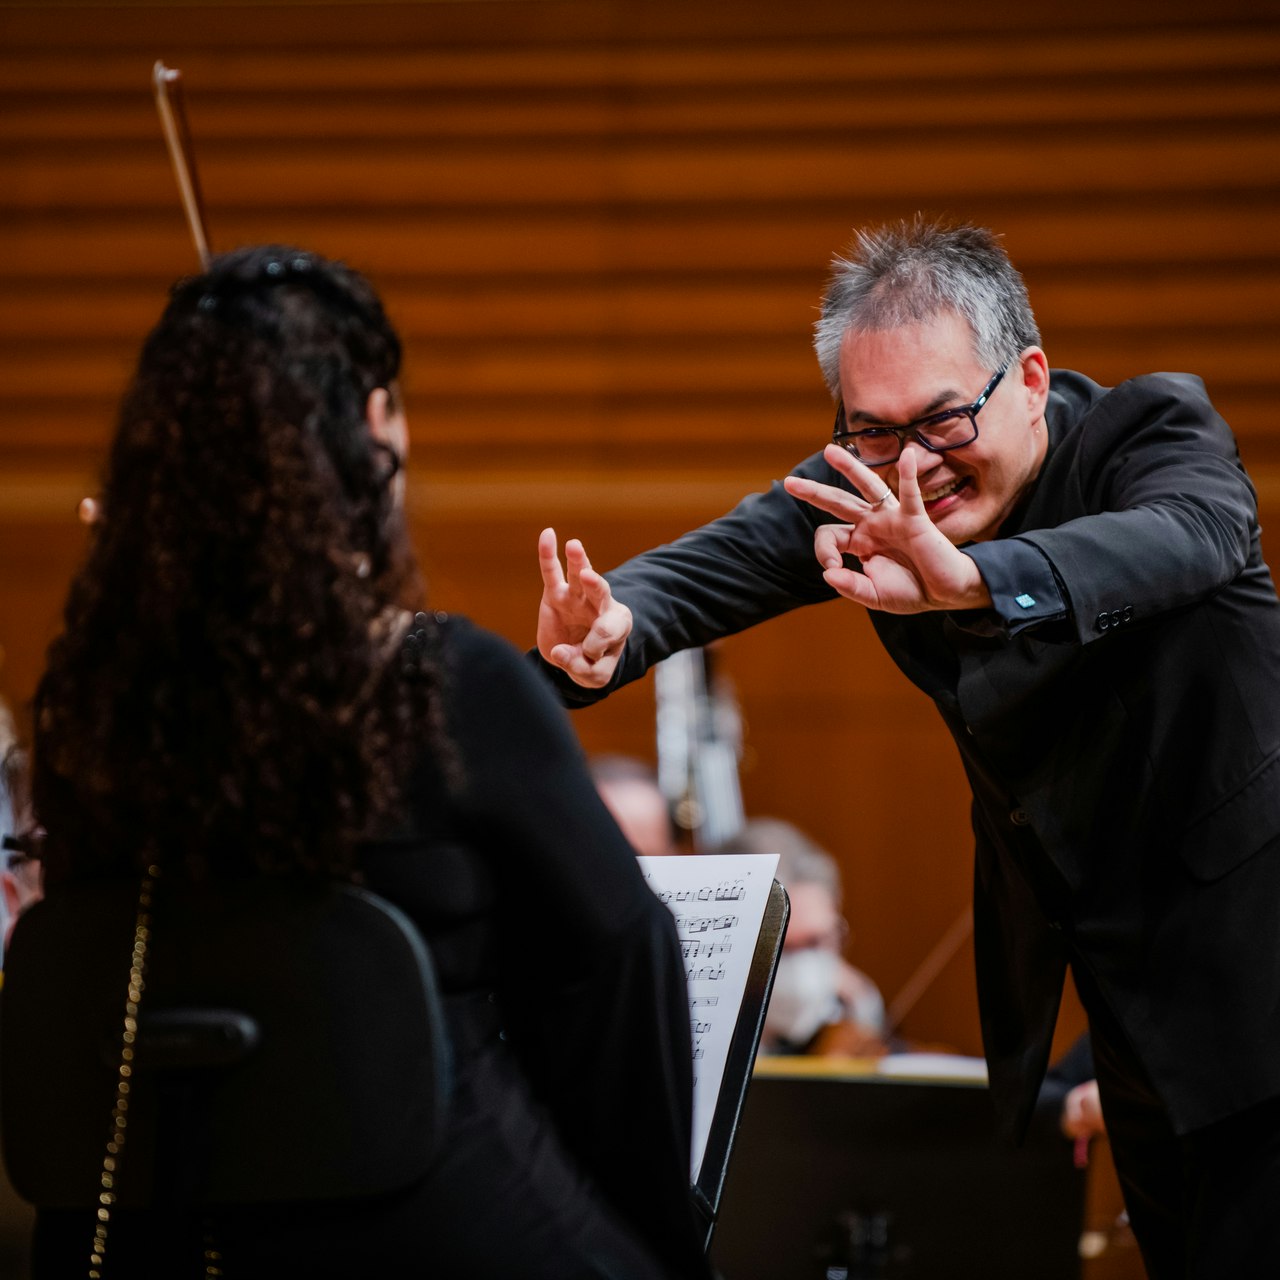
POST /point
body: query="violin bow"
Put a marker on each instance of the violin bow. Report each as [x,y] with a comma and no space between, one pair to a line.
[177,136]
[943,952]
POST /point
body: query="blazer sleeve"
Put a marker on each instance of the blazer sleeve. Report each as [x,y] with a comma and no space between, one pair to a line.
[750,565]
[1151,512]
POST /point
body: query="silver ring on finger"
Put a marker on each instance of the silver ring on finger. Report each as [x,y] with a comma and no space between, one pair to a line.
[881,500]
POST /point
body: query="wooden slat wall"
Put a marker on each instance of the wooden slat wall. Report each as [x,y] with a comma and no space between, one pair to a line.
[604,228]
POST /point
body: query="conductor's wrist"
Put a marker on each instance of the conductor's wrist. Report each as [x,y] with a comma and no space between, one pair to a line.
[971,589]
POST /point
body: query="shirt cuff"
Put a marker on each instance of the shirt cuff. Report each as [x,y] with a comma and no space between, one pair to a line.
[1025,591]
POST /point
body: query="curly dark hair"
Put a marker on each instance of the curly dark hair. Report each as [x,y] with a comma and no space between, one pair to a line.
[228,693]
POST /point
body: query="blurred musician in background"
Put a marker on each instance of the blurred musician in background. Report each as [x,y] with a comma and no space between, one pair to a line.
[629,789]
[20,878]
[1069,1095]
[8,822]
[820,1003]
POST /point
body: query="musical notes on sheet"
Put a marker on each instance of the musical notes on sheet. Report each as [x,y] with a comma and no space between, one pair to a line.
[726,891]
[693,948]
[702,924]
[706,973]
[718,903]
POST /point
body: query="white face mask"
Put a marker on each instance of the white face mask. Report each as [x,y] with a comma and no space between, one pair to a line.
[804,995]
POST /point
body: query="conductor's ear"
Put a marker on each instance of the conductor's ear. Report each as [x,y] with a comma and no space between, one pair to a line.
[1035,378]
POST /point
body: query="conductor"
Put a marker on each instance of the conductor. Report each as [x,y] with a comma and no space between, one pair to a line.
[1073,574]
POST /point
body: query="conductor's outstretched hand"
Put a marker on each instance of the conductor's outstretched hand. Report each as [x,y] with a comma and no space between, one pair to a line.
[581,628]
[907,565]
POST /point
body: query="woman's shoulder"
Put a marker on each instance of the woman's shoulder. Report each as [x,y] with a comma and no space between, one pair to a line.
[471,658]
[460,641]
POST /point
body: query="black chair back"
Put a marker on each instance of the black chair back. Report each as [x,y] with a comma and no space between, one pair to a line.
[290,1046]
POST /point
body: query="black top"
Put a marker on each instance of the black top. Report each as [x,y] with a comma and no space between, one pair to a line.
[562,972]
[567,1147]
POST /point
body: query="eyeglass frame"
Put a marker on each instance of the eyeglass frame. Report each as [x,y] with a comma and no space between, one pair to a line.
[22,846]
[846,439]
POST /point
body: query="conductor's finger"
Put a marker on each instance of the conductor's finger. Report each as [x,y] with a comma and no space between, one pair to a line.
[575,561]
[831,544]
[826,497]
[607,634]
[549,560]
[595,587]
[853,586]
[592,673]
[869,485]
[909,485]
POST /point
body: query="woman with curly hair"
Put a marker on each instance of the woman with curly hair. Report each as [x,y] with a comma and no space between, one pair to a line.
[241,689]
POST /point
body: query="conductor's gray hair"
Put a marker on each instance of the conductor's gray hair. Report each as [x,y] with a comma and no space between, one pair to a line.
[911,272]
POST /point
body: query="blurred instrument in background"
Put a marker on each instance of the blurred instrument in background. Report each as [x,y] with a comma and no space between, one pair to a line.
[699,733]
[167,83]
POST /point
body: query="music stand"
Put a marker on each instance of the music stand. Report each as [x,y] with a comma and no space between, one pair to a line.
[708,1186]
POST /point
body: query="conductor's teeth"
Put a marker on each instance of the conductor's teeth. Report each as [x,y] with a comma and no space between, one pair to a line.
[932,495]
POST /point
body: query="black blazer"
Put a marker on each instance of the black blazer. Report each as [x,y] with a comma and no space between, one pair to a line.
[1118,715]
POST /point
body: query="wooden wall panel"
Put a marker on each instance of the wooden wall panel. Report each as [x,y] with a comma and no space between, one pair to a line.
[604,227]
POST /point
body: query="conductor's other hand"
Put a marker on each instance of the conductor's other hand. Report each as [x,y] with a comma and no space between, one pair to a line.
[581,628]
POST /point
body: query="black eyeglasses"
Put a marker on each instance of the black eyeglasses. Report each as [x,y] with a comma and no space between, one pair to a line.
[22,846]
[937,432]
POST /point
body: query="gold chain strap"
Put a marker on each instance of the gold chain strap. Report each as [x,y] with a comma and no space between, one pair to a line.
[120,1112]
[124,1080]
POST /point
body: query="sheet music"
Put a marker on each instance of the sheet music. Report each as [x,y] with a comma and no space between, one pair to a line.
[718,900]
